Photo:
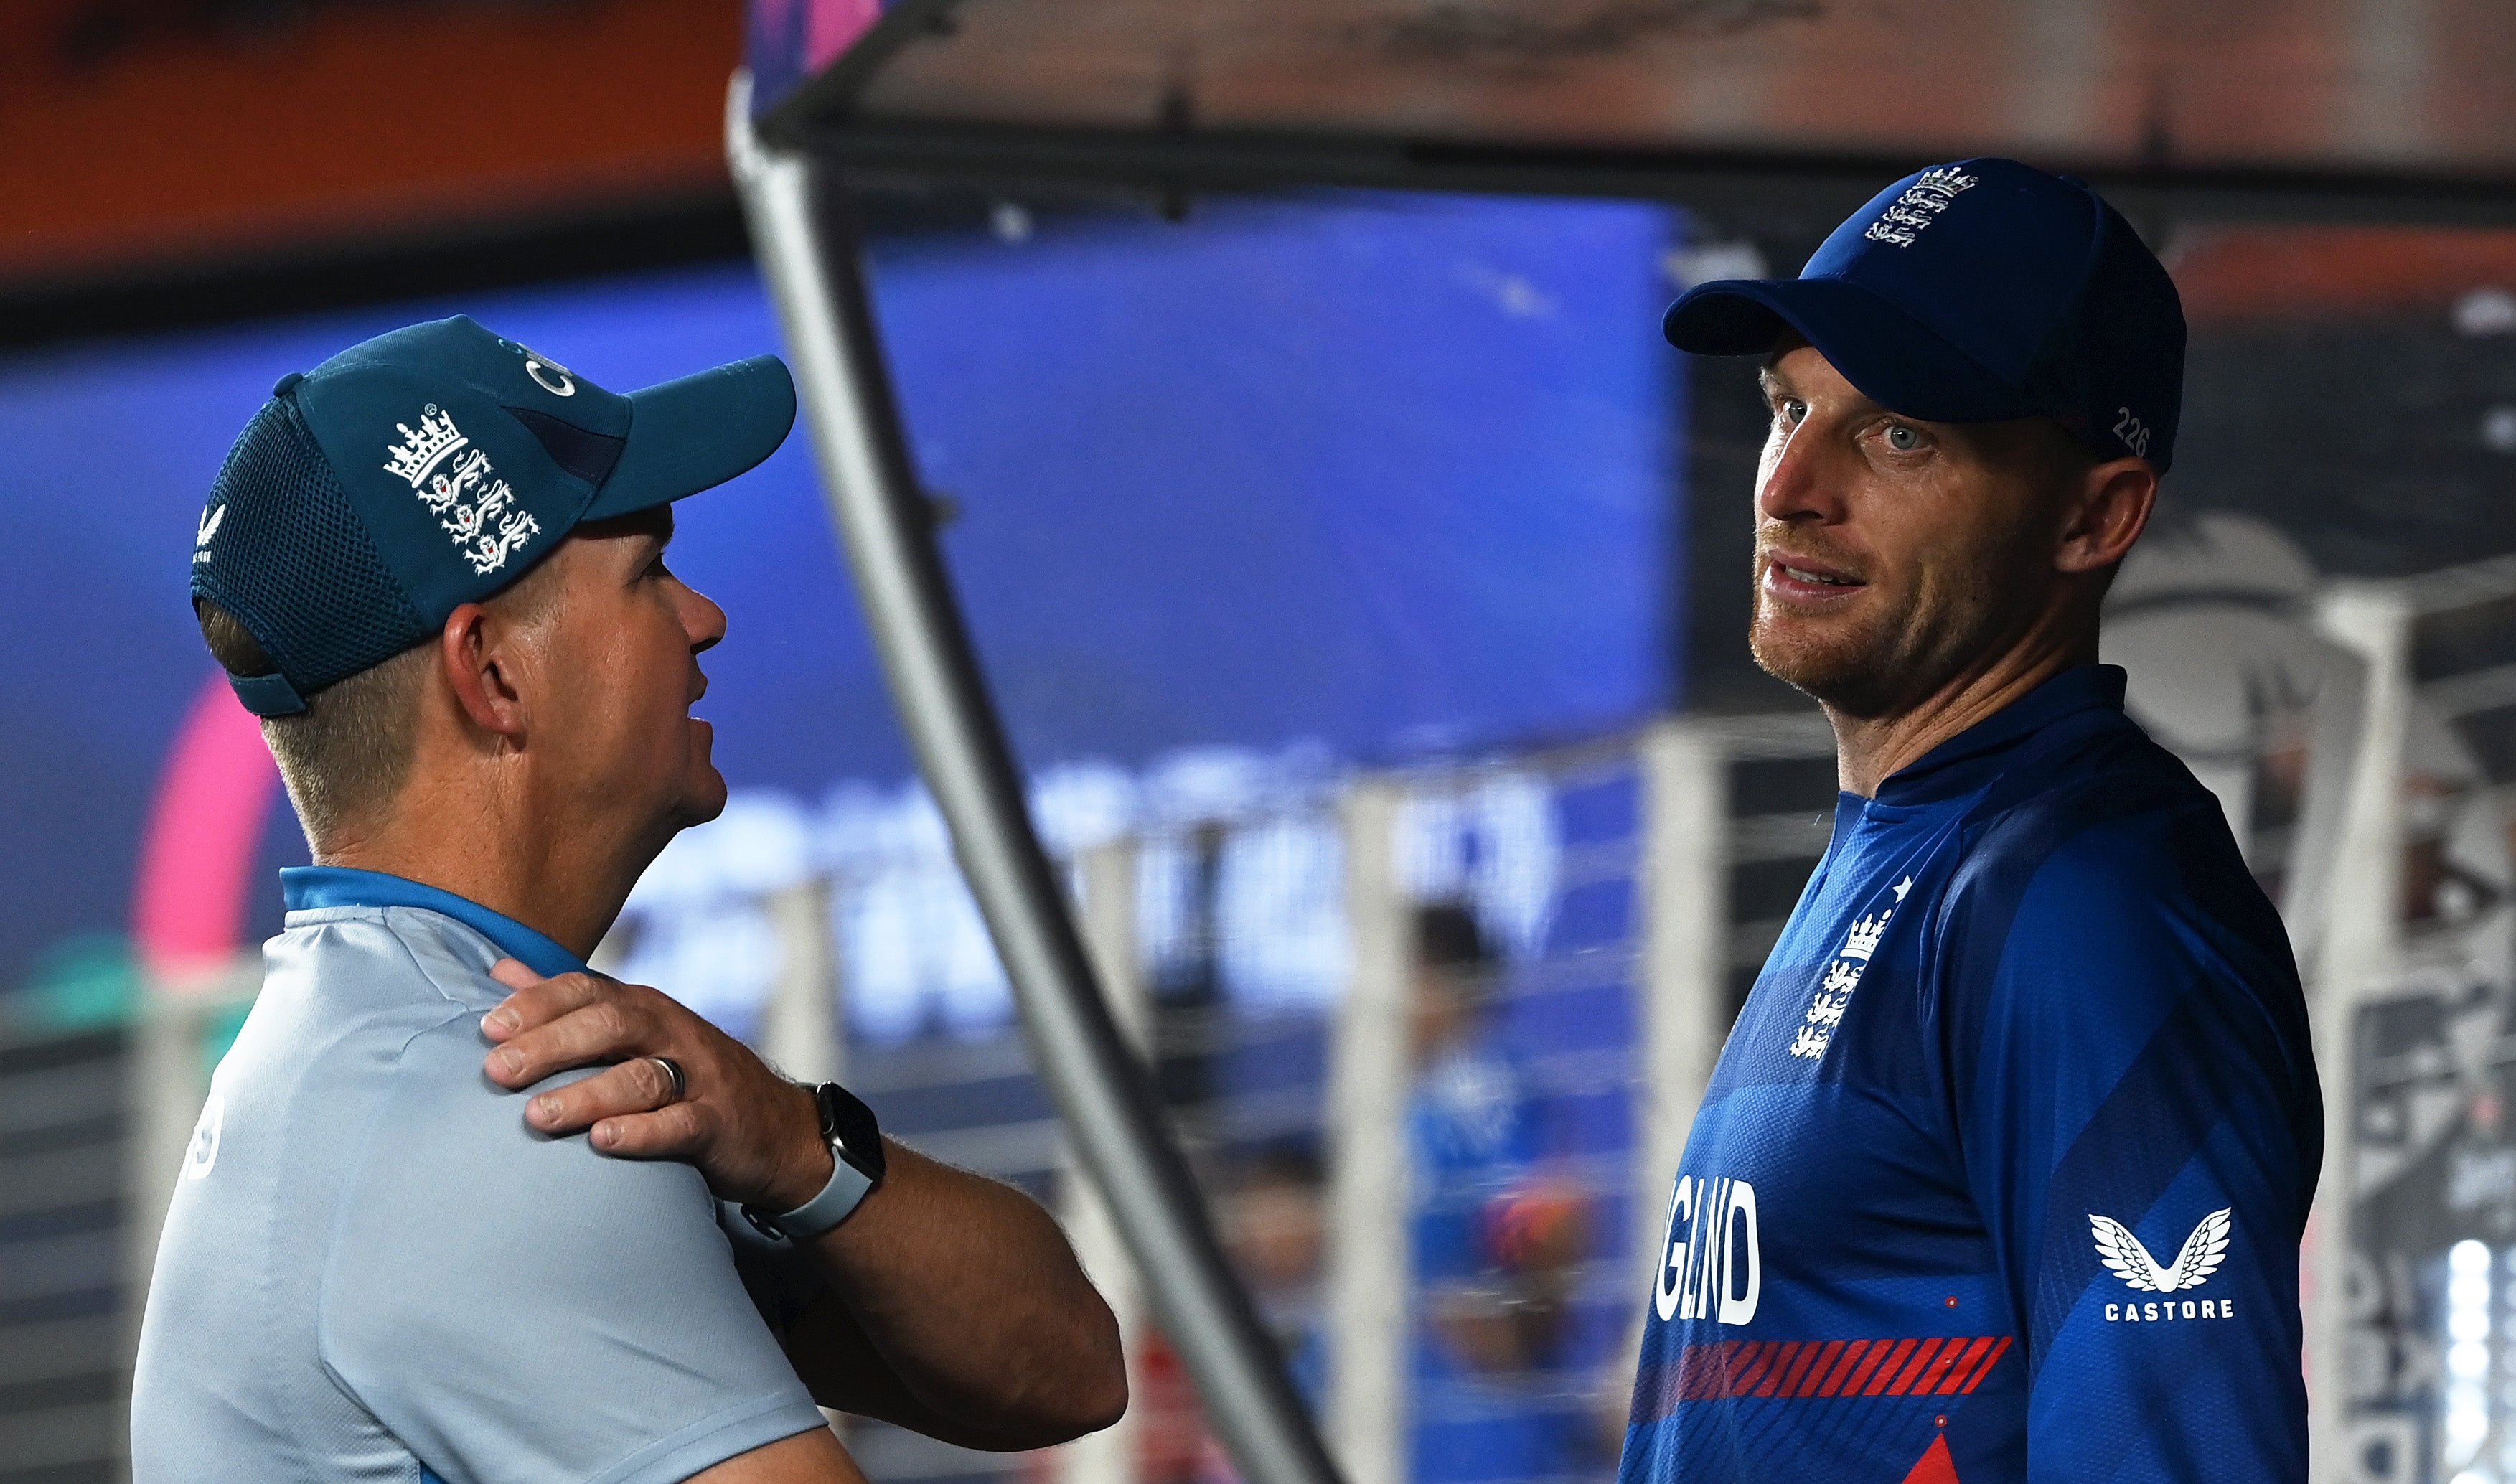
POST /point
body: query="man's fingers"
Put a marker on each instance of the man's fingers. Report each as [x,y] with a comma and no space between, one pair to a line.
[633,1086]
[675,1132]
[536,1000]
[507,1018]
[608,1030]
[513,973]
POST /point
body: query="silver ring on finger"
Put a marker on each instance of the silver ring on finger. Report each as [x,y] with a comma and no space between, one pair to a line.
[673,1073]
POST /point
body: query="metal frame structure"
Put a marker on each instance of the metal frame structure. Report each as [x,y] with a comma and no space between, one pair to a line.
[806,238]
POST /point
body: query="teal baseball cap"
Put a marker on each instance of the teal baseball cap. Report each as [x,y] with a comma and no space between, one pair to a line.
[433,466]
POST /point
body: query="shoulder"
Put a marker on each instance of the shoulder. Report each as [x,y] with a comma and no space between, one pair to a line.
[407,953]
[525,1306]
[450,1140]
[2109,824]
[450,1181]
[463,1236]
[2109,863]
[2107,896]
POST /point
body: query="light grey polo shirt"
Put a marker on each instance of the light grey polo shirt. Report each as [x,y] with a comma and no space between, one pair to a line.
[373,1269]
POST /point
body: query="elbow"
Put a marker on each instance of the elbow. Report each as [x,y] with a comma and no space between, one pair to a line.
[1080,1405]
[1095,1394]
[1103,1401]
[1091,1392]
[1103,1387]
[1083,1411]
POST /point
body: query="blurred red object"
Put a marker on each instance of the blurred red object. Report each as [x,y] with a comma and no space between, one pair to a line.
[1541,1225]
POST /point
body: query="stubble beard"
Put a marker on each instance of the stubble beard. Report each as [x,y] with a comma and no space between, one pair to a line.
[1886,657]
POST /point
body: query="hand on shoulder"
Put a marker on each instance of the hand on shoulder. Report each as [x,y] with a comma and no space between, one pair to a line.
[753,1135]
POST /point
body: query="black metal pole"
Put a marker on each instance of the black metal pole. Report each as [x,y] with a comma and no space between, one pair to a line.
[804,233]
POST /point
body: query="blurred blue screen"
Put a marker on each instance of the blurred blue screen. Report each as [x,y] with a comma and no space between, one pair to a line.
[1376,477]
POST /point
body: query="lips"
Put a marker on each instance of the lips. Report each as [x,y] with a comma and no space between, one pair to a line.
[1812,574]
[1806,580]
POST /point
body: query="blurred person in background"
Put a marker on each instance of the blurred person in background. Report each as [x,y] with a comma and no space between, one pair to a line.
[1274,1226]
[416,1237]
[1495,1239]
[1272,1215]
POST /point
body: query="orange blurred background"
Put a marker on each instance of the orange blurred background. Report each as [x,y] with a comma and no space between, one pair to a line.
[141,137]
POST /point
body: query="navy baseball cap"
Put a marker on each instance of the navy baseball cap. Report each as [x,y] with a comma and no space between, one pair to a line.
[428,468]
[1977,292]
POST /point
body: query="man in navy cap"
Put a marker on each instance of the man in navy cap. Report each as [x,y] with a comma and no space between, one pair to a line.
[435,566]
[2002,1172]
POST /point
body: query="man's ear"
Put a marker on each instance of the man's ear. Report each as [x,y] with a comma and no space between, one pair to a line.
[2105,514]
[470,651]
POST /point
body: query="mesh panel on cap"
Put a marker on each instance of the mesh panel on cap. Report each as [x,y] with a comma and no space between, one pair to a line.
[291,560]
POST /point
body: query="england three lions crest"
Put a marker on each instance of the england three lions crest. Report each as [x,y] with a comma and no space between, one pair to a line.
[1918,205]
[460,487]
[1824,1014]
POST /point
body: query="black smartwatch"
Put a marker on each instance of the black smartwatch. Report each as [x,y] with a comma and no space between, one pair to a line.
[848,1127]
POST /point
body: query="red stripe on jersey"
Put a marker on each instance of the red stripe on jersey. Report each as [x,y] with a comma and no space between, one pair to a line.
[1956,1368]
[1804,1380]
[1834,1382]
[1744,1382]
[1904,1382]
[1934,1376]
[1984,1370]
[1738,1359]
[1778,1357]
[1729,1368]
[1778,1380]
[1707,1369]
[1887,1371]
[1859,1377]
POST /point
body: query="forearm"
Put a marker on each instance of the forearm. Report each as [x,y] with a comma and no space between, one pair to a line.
[960,1312]
[959,1307]
[844,1371]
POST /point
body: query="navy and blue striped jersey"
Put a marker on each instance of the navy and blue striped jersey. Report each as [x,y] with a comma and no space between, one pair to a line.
[2002,1173]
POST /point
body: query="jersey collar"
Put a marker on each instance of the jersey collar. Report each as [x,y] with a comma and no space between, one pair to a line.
[1943,771]
[310,887]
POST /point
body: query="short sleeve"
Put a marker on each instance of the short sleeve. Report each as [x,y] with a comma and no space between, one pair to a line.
[520,1308]
[2140,1126]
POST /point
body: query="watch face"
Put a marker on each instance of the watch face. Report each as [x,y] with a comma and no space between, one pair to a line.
[851,1128]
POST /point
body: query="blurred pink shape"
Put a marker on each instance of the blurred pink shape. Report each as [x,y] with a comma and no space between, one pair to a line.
[205,831]
[830,27]
[833,26]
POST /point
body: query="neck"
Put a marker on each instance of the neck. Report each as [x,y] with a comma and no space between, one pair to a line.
[562,878]
[1870,750]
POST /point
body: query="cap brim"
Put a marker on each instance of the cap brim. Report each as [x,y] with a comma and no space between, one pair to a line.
[696,432]
[1896,360]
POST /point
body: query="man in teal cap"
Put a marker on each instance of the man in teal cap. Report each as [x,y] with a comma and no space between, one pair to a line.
[427,1231]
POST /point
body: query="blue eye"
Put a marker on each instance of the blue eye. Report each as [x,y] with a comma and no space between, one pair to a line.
[1901,439]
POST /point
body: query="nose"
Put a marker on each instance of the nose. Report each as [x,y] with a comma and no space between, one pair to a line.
[1796,488]
[701,620]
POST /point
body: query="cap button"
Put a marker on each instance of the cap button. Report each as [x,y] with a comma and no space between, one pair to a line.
[286,382]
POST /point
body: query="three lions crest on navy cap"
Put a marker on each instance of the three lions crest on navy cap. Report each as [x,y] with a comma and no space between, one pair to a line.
[1977,292]
[429,468]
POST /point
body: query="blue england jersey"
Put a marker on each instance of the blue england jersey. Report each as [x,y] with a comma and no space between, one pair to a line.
[2002,1172]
